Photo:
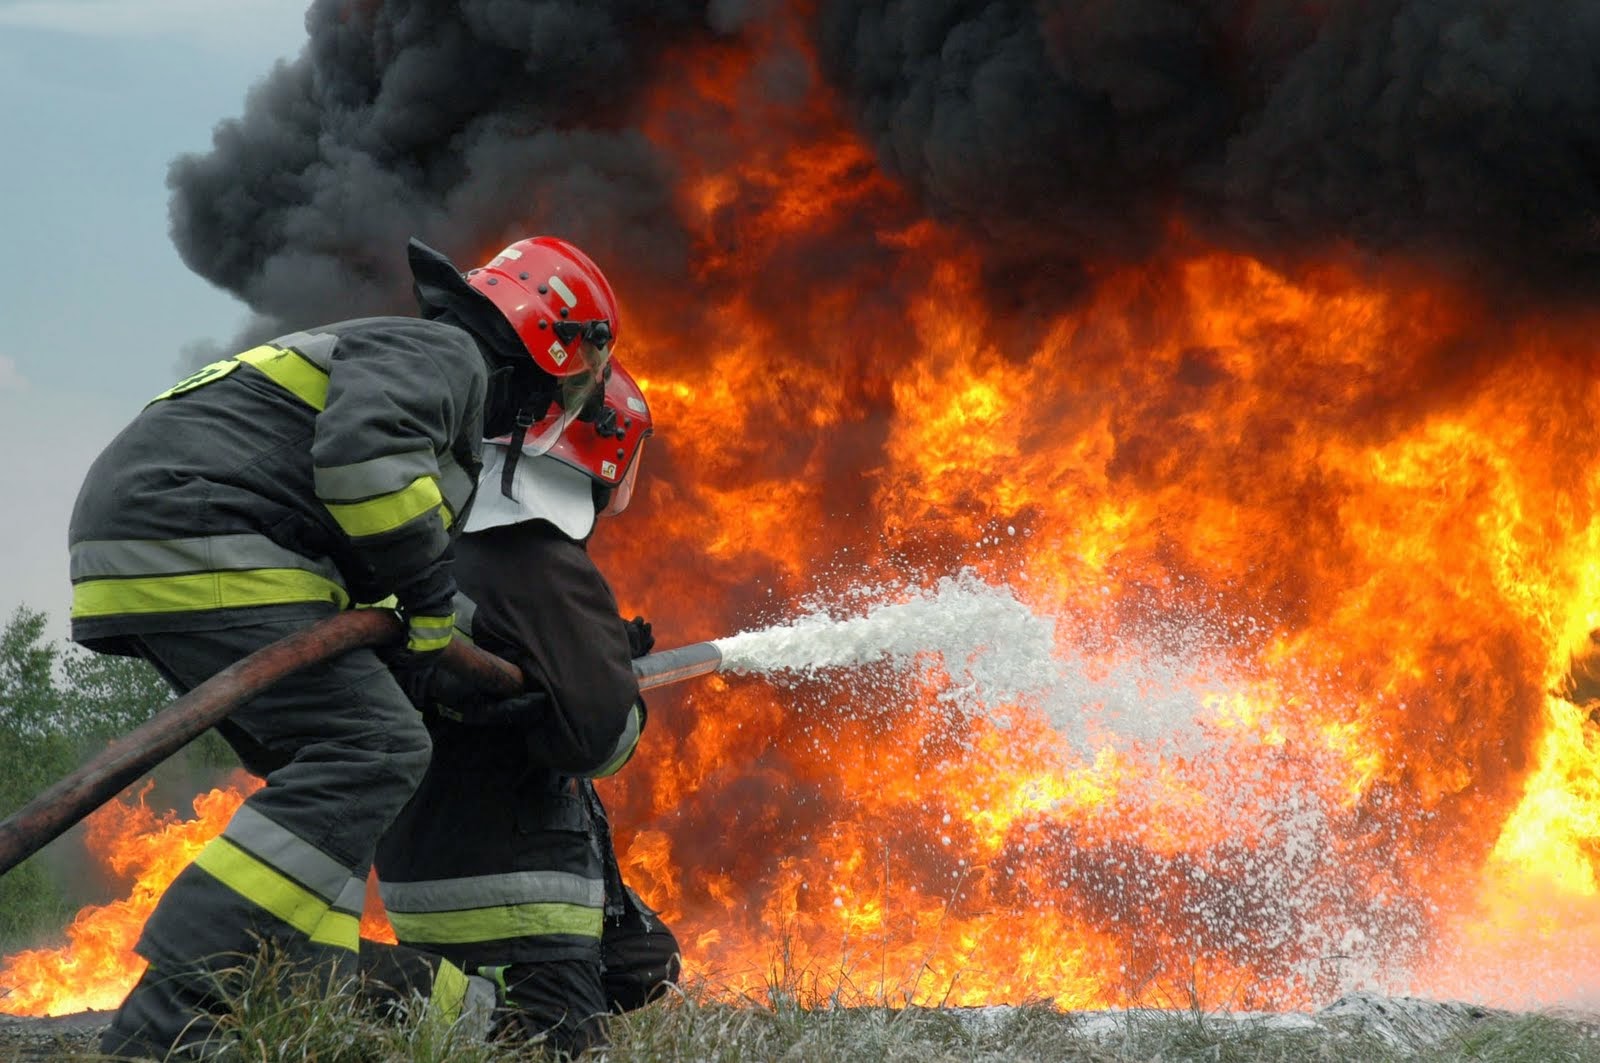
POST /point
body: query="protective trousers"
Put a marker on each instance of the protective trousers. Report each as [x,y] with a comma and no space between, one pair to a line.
[341,749]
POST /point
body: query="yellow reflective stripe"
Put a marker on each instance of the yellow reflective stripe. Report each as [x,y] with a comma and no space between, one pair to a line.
[290,371]
[449,991]
[199,378]
[424,634]
[266,887]
[340,930]
[495,924]
[197,591]
[388,512]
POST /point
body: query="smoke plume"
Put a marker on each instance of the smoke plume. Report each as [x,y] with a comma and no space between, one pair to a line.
[463,123]
[1461,132]
[1464,134]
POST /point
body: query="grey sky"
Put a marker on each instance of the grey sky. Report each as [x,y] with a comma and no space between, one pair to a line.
[96,98]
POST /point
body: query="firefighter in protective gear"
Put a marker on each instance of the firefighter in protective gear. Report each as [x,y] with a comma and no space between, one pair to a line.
[324,469]
[502,862]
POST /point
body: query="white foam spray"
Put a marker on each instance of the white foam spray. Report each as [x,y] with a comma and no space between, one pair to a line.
[994,649]
[1139,715]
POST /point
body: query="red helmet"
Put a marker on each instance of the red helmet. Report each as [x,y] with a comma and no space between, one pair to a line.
[608,446]
[562,308]
[604,446]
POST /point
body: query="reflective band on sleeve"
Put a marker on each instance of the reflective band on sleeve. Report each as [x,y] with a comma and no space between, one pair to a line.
[625,746]
[286,851]
[388,512]
[373,477]
[466,609]
[270,890]
[454,483]
[425,634]
[201,591]
[495,924]
[292,372]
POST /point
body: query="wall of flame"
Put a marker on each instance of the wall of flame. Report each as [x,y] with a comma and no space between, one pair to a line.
[1350,509]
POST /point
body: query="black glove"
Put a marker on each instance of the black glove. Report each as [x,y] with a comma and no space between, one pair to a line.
[427,605]
[640,640]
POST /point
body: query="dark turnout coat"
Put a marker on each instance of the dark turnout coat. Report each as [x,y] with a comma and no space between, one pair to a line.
[323,468]
[502,855]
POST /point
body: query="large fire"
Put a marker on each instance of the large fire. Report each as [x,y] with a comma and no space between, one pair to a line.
[1320,541]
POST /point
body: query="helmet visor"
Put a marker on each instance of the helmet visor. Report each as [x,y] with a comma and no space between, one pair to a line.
[622,494]
[579,396]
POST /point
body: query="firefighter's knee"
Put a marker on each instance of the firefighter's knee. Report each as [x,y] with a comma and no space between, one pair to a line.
[411,750]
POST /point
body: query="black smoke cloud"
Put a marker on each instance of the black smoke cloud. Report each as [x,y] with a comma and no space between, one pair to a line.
[466,123]
[1464,133]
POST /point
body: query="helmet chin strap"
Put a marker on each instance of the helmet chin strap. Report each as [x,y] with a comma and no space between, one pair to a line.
[519,432]
[532,409]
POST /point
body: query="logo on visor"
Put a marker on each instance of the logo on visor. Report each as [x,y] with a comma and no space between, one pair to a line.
[608,469]
[559,353]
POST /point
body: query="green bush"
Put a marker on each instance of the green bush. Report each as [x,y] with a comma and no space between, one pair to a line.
[58,707]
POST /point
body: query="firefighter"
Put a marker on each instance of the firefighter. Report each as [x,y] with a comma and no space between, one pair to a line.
[324,469]
[502,862]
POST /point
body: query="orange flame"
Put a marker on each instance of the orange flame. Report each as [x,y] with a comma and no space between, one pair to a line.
[1320,544]
[98,966]
[146,848]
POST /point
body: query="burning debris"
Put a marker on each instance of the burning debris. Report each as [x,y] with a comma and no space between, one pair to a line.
[1195,328]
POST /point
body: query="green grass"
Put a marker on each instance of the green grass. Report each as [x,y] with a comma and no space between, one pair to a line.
[276,1016]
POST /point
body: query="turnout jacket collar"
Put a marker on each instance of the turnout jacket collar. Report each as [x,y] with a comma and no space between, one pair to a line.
[442,292]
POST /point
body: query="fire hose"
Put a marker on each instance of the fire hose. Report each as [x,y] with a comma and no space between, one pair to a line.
[54,811]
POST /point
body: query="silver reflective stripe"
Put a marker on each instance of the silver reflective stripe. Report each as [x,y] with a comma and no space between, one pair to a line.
[353,898]
[373,477]
[465,609]
[454,483]
[624,747]
[287,852]
[96,558]
[315,347]
[485,891]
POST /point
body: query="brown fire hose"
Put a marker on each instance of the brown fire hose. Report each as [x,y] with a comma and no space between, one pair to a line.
[54,811]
